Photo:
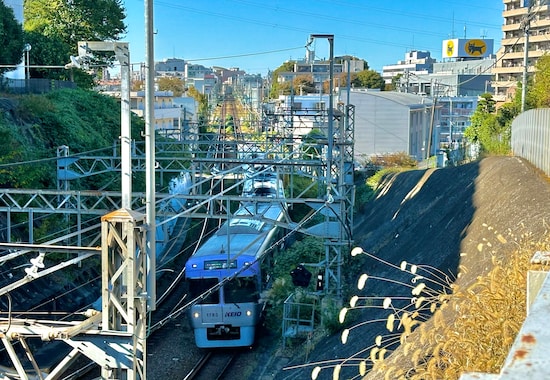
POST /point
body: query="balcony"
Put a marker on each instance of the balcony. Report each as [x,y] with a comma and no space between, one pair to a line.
[513,12]
[507,70]
[511,27]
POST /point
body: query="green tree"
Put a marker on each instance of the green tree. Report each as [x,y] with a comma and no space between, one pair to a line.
[368,79]
[76,20]
[486,104]
[281,88]
[539,92]
[303,84]
[47,51]
[204,109]
[395,82]
[11,39]
[54,27]
[171,84]
[490,129]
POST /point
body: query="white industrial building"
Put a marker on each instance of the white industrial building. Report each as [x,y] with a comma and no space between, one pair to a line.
[392,122]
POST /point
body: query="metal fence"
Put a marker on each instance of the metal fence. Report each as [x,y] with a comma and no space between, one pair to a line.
[531,137]
[33,85]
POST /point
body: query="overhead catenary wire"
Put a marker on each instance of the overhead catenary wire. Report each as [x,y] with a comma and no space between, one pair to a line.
[315,15]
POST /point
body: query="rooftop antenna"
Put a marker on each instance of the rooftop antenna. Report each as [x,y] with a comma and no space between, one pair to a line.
[464,31]
[453,27]
[483,34]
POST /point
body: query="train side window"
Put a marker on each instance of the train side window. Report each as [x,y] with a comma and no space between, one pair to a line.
[200,286]
[241,289]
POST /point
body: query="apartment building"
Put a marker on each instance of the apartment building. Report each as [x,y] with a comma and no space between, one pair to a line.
[171,115]
[522,18]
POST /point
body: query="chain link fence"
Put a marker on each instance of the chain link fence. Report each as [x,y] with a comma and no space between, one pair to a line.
[33,85]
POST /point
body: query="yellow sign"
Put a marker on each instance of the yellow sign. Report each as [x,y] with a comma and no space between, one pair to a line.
[475,47]
[450,48]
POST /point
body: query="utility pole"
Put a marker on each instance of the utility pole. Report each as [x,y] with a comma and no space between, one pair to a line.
[150,154]
[526,24]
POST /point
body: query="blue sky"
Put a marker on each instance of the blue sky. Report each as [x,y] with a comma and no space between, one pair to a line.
[259,35]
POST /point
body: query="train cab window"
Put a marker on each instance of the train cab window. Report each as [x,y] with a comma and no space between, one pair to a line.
[241,289]
[200,286]
[265,192]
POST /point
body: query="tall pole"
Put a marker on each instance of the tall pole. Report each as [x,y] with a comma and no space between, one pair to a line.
[333,252]
[525,60]
[349,81]
[125,127]
[27,62]
[150,153]
[330,38]
[330,106]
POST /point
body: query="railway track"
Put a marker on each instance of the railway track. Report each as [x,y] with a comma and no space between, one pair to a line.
[212,366]
[230,118]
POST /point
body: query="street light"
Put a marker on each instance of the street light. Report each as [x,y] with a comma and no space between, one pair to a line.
[27,50]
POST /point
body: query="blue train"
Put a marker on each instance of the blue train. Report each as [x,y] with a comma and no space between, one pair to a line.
[225,273]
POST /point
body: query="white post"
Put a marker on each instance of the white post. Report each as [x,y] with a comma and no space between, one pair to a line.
[150,153]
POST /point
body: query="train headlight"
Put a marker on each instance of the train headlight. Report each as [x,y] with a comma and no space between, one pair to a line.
[249,313]
[196,315]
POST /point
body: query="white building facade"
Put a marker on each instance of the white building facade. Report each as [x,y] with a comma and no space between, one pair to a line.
[389,122]
[170,115]
[416,62]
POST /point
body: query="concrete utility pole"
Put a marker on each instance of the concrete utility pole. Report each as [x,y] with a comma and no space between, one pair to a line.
[526,24]
[150,153]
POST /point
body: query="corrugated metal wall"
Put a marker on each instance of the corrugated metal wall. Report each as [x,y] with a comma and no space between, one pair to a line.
[381,126]
[531,137]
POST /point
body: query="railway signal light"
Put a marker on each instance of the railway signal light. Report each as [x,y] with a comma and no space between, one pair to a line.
[320,285]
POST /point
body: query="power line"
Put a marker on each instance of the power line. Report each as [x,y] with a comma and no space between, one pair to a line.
[244,54]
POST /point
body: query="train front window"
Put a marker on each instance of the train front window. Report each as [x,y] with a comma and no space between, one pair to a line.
[241,289]
[203,286]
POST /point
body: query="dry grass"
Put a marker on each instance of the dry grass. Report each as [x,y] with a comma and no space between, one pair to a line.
[451,326]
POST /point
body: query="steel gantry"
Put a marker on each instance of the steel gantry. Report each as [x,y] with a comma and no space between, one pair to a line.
[119,345]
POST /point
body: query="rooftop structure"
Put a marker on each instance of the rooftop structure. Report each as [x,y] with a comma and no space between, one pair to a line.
[393,122]
[416,62]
